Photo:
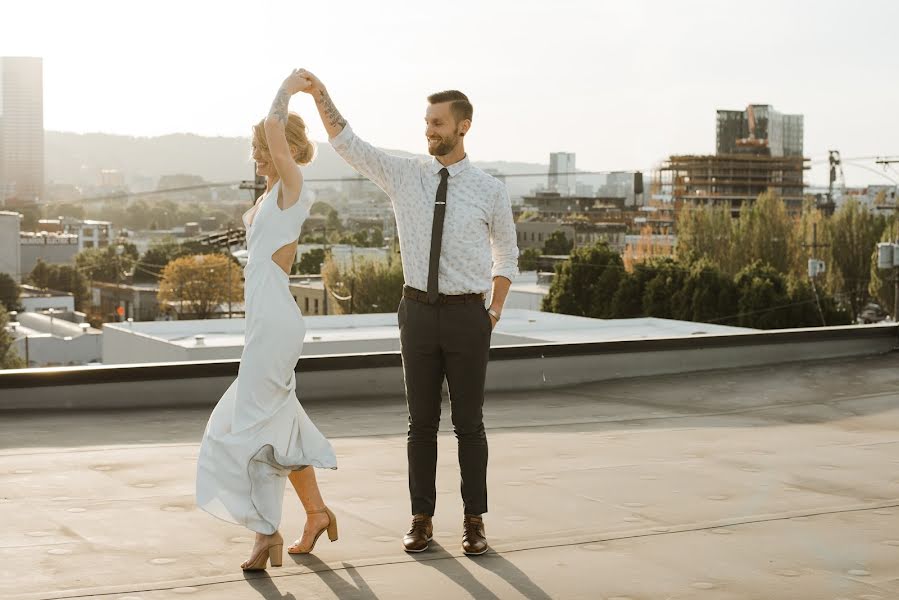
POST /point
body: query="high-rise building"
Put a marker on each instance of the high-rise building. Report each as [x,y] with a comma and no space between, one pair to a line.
[759,130]
[758,150]
[561,173]
[10,249]
[21,129]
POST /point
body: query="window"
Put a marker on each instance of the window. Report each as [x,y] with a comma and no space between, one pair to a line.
[316,306]
[306,310]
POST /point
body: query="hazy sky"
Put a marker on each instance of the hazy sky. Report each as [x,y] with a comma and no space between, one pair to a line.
[623,84]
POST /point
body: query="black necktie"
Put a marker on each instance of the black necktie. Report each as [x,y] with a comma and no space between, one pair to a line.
[437,236]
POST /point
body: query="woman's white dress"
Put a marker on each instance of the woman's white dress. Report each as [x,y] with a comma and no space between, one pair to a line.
[258,432]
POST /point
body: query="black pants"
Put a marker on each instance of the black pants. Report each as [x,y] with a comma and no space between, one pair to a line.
[450,341]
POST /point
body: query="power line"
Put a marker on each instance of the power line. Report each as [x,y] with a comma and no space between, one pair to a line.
[764,310]
[875,171]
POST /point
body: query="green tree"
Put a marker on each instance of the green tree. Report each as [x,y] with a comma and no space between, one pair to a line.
[585,284]
[333,222]
[201,282]
[707,295]
[9,292]
[708,233]
[766,232]
[369,287]
[360,238]
[527,260]
[63,278]
[882,286]
[557,244]
[813,229]
[138,215]
[854,233]
[150,266]
[763,297]
[311,262]
[320,208]
[105,264]
[377,238]
[627,301]
[30,217]
[9,357]
[40,275]
[67,278]
[664,290]
[809,309]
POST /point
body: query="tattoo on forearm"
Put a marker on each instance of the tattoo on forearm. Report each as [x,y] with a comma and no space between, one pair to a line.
[279,106]
[333,116]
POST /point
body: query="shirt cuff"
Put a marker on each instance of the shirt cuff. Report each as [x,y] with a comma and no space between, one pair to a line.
[509,272]
[342,138]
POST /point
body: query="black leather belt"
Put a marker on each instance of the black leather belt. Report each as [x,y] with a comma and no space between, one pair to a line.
[420,296]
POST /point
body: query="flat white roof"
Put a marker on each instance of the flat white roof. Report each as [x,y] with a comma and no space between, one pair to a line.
[526,283]
[518,326]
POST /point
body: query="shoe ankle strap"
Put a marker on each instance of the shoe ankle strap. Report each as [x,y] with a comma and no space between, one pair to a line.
[315,512]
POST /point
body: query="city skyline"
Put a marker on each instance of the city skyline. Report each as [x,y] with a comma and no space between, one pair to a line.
[615,85]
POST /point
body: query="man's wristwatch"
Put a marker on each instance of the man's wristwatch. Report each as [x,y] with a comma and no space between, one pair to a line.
[493,314]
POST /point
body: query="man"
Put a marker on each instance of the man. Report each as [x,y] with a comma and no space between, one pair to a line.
[457,239]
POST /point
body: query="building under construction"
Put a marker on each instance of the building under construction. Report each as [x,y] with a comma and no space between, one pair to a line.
[758,150]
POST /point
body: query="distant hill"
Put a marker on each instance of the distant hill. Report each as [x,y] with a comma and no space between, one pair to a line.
[78,158]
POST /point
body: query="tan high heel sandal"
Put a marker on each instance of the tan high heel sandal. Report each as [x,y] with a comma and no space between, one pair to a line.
[273,552]
[331,529]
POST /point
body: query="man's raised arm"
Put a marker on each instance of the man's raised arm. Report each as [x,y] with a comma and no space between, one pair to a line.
[385,170]
[331,118]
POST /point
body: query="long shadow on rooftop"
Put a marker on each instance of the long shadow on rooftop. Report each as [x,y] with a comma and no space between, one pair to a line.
[263,584]
[513,575]
[438,558]
[358,590]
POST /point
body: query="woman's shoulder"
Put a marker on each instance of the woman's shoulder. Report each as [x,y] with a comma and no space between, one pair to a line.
[303,197]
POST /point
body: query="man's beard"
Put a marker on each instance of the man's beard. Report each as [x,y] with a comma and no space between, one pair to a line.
[444,147]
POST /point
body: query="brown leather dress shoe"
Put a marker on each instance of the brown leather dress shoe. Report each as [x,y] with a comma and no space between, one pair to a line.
[418,536]
[474,541]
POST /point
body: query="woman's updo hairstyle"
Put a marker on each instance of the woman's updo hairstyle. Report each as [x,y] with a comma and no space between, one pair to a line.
[296,137]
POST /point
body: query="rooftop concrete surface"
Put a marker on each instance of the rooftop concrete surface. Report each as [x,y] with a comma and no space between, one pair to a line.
[767,482]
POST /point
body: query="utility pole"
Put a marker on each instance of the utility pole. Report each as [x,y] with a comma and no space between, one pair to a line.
[887,255]
[256,187]
[887,161]
[836,172]
[815,268]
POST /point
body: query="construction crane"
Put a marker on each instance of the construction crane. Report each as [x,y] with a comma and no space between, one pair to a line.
[826,203]
[836,172]
[751,141]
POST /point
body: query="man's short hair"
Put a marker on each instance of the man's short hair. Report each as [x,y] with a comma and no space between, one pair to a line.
[461,107]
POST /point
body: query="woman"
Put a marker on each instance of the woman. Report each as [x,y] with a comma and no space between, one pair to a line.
[258,432]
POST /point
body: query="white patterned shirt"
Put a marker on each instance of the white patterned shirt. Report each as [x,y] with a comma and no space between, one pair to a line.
[479,239]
